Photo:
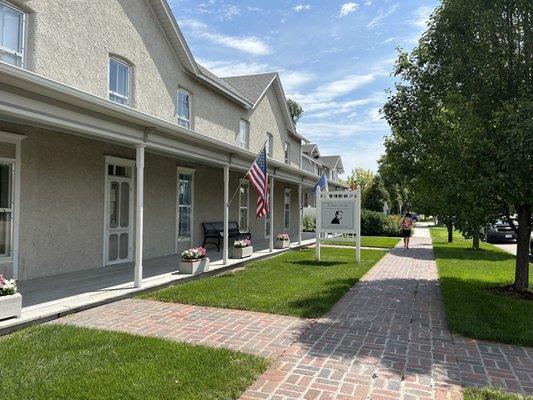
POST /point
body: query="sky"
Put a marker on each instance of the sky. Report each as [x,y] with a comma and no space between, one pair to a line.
[334,58]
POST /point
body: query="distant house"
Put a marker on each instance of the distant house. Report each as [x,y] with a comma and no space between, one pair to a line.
[333,168]
[107,121]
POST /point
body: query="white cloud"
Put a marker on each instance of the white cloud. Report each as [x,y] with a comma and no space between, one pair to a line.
[292,80]
[302,7]
[381,16]
[368,3]
[421,17]
[228,12]
[248,44]
[348,8]
[346,85]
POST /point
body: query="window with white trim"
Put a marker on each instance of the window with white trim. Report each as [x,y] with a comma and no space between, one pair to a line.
[185,205]
[119,81]
[184,108]
[267,219]
[244,134]
[12,21]
[287,210]
[269,144]
[244,202]
[6,208]
[287,150]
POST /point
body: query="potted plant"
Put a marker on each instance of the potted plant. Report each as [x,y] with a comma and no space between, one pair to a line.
[242,248]
[10,300]
[282,241]
[194,261]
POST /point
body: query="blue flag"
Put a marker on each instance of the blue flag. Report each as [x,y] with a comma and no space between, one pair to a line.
[322,183]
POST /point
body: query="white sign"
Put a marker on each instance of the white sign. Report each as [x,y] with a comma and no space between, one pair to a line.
[339,213]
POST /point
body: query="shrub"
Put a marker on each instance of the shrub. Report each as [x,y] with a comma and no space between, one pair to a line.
[309,224]
[374,223]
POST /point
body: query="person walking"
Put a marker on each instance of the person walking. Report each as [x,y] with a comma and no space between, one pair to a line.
[407,227]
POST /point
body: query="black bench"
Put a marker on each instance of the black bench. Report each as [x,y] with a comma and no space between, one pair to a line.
[215,231]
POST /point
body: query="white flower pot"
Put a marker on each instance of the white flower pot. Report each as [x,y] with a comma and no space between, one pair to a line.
[10,306]
[282,244]
[194,266]
[242,252]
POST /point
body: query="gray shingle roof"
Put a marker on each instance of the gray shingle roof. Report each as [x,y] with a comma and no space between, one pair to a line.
[330,161]
[220,81]
[251,86]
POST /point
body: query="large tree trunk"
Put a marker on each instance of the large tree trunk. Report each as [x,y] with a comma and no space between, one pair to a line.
[449,226]
[521,279]
[475,241]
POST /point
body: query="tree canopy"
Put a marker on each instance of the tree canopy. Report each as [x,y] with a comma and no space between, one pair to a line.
[461,118]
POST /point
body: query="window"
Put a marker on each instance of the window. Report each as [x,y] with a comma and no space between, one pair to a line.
[184,108]
[267,218]
[287,210]
[244,134]
[185,205]
[287,150]
[270,145]
[119,81]
[6,208]
[244,201]
[12,22]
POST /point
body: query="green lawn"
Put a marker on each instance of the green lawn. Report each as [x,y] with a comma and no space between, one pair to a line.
[61,362]
[290,284]
[471,308]
[491,394]
[385,242]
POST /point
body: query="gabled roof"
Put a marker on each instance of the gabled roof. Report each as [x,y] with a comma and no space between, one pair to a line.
[252,86]
[309,148]
[333,162]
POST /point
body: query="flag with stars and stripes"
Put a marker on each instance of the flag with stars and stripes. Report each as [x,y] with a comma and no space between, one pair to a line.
[258,177]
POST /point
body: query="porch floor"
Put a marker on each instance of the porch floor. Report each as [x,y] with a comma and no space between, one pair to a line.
[53,296]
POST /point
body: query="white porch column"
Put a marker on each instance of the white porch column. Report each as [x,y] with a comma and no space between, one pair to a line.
[139,211]
[271,207]
[300,214]
[226,214]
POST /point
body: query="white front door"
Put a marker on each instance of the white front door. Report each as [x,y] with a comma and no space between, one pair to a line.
[118,237]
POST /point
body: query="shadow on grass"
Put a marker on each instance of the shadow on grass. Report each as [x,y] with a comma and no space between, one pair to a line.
[317,306]
[462,253]
[308,263]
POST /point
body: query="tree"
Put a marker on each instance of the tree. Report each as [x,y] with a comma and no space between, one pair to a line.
[375,195]
[461,117]
[360,177]
[295,110]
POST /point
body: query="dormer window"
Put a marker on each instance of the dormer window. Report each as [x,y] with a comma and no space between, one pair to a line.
[287,152]
[269,145]
[119,81]
[12,22]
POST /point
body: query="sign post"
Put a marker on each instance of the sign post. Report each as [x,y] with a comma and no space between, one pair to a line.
[339,213]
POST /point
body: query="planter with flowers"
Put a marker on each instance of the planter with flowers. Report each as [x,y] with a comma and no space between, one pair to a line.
[10,300]
[282,241]
[194,261]
[242,248]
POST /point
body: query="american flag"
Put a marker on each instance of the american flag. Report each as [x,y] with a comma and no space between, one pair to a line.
[258,176]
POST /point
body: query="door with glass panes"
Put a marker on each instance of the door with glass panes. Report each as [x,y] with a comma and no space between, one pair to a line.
[119,213]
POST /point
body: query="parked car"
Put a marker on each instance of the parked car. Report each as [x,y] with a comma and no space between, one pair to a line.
[500,232]
[414,217]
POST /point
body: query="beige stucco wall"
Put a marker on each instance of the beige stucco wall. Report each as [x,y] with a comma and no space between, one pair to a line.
[70,41]
[7,150]
[268,117]
[62,202]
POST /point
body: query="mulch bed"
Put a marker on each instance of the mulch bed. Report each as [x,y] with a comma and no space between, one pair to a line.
[510,292]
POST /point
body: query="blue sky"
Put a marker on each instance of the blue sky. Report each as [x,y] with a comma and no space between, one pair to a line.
[334,58]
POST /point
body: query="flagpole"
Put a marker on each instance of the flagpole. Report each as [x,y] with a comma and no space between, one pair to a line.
[244,177]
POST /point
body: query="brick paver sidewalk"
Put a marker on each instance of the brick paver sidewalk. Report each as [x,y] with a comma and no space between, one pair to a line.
[387,339]
[267,335]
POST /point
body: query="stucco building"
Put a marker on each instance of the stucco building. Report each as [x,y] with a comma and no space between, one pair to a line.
[115,144]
